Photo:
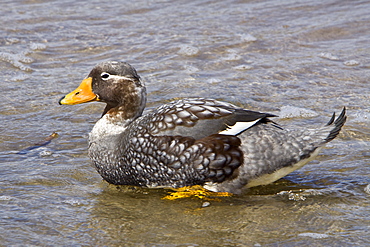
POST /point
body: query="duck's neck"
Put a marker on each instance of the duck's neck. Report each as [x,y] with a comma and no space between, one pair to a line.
[116,118]
[131,106]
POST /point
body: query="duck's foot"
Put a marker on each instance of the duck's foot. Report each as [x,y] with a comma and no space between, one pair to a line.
[196,191]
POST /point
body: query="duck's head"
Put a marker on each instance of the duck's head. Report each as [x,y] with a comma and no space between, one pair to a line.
[115,83]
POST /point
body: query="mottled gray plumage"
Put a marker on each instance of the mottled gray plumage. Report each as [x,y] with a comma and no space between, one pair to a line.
[192,141]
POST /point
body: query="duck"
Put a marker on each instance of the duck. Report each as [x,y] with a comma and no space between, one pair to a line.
[189,141]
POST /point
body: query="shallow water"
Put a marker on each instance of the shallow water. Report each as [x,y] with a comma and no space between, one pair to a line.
[297,59]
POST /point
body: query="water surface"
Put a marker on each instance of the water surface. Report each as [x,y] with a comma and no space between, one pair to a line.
[297,59]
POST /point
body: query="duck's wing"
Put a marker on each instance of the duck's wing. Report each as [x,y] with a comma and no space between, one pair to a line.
[185,142]
[199,118]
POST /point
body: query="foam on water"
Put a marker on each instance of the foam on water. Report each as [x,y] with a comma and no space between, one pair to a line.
[294,112]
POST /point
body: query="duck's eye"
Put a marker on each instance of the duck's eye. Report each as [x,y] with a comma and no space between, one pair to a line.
[105,75]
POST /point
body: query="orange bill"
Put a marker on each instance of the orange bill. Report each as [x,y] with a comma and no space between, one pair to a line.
[82,94]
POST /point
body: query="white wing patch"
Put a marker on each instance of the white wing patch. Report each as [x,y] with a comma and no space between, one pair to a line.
[238,127]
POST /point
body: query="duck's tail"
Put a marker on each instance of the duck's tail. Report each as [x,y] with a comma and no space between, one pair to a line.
[337,125]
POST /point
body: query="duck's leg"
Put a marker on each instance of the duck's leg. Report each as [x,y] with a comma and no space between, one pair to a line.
[195,191]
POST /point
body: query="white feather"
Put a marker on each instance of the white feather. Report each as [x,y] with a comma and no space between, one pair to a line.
[238,127]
